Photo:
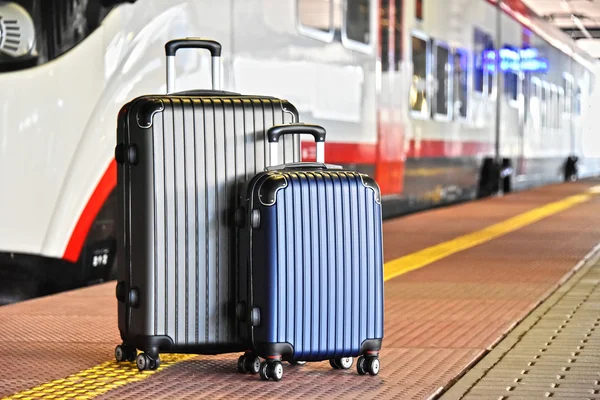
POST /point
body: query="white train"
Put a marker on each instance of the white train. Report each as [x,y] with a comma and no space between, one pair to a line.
[440,100]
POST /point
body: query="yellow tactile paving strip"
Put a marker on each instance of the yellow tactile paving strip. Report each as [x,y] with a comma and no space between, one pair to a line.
[95,381]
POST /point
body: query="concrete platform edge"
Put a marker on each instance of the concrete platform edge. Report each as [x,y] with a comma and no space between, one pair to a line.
[481,364]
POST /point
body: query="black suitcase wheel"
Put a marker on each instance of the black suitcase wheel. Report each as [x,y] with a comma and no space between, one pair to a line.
[145,362]
[124,352]
[142,362]
[120,353]
[333,363]
[241,365]
[252,364]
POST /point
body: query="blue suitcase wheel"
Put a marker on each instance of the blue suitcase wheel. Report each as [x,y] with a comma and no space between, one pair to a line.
[366,365]
[300,363]
[344,362]
[373,364]
[264,371]
[271,370]
[341,362]
[361,367]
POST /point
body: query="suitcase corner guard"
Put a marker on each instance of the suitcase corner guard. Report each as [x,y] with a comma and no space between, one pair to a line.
[269,187]
[370,183]
[146,112]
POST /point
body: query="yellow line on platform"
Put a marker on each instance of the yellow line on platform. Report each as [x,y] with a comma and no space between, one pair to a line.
[110,375]
[95,381]
[429,255]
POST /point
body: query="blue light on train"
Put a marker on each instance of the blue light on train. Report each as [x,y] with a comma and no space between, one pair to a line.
[515,61]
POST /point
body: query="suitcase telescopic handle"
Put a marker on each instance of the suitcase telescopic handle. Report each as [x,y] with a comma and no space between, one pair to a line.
[317,131]
[193,43]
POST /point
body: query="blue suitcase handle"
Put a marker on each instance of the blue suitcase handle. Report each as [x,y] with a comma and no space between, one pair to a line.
[317,131]
[304,166]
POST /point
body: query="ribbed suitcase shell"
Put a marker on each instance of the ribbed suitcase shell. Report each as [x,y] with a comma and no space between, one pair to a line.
[176,255]
[315,264]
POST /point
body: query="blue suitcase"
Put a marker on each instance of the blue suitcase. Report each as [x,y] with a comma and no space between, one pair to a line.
[311,265]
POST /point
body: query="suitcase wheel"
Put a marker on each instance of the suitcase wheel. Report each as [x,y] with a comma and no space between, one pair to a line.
[341,362]
[248,363]
[125,352]
[145,362]
[271,370]
[300,363]
[369,364]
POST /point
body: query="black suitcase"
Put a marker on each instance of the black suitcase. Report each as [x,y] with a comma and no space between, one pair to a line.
[311,264]
[180,161]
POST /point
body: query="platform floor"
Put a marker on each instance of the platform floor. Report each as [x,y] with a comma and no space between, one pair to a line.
[553,353]
[457,280]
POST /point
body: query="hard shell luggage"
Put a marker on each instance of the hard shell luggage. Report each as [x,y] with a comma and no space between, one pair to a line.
[180,160]
[311,264]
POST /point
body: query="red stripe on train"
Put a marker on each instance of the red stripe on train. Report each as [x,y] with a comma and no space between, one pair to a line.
[105,186]
[366,153]
[340,153]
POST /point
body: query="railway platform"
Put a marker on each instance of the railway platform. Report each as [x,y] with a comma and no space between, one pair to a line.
[473,293]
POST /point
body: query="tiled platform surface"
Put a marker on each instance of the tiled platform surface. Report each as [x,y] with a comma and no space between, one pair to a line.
[438,320]
[553,353]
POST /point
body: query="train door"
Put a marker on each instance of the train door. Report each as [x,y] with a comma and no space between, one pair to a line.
[391,154]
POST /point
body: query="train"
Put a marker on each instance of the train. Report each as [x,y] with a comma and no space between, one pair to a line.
[440,101]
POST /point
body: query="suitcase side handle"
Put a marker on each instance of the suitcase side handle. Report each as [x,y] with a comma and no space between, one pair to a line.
[193,43]
[275,132]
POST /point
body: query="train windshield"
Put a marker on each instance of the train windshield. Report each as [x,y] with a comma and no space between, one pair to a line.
[33,32]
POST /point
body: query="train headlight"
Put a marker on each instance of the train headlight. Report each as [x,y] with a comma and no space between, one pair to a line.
[17,30]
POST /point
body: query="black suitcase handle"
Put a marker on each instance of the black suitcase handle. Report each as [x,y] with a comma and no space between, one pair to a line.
[275,132]
[317,131]
[193,43]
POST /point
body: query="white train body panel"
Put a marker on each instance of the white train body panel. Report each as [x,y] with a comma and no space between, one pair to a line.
[58,120]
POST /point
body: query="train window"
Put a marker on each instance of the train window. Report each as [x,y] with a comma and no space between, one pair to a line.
[577,101]
[419,10]
[568,85]
[460,83]
[511,85]
[544,105]
[418,91]
[560,106]
[535,107]
[357,21]
[553,107]
[315,18]
[442,69]
[484,62]
[48,29]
